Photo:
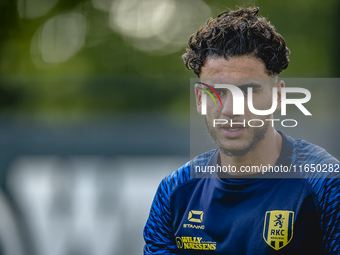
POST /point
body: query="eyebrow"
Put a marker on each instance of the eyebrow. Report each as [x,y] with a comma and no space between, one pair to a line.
[251,84]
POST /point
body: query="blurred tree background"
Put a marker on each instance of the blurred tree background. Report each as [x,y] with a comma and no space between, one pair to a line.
[79,58]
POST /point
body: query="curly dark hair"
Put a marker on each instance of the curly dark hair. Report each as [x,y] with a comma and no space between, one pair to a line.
[237,33]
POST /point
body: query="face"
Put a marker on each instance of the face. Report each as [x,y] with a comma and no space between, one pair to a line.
[244,72]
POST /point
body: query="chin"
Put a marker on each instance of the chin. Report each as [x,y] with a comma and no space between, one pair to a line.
[235,153]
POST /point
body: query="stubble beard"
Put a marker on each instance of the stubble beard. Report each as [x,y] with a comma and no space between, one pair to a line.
[259,134]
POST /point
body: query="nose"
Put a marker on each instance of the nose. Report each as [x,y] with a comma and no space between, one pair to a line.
[227,105]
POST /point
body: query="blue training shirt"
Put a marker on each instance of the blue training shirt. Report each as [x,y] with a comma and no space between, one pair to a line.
[249,216]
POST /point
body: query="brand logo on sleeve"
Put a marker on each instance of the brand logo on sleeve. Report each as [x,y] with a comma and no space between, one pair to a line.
[278,228]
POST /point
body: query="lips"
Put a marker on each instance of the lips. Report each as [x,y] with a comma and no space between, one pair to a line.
[232,131]
[232,126]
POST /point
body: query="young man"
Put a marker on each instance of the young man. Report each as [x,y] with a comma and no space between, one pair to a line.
[277,214]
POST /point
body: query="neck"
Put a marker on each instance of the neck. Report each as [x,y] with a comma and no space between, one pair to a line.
[266,152]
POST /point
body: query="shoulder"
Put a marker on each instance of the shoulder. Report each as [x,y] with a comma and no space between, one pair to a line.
[304,152]
[314,164]
[186,173]
[321,171]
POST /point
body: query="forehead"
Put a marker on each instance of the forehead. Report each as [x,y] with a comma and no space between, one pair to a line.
[235,67]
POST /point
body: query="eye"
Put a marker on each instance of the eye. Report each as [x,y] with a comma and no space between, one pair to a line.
[245,90]
[220,92]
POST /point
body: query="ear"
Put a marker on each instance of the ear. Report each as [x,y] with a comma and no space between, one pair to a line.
[279,85]
[198,94]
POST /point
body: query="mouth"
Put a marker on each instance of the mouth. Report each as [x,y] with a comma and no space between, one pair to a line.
[232,129]
[232,132]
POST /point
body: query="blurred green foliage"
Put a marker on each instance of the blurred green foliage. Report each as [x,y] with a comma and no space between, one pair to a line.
[110,75]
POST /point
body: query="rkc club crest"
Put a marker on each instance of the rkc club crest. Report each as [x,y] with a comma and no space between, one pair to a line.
[278,228]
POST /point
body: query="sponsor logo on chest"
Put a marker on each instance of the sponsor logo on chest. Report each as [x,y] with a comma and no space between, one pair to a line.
[197,217]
